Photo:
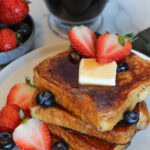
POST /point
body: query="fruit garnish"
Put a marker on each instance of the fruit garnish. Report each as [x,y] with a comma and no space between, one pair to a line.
[131,117]
[122,66]
[75,56]
[123,38]
[45,99]
[8,40]
[32,134]
[6,141]
[13,11]
[25,31]
[10,117]
[60,145]
[83,40]
[111,47]
[21,95]
[28,81]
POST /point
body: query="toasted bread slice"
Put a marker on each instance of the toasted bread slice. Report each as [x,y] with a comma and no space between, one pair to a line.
[78,141]
[101,106]
[121,134]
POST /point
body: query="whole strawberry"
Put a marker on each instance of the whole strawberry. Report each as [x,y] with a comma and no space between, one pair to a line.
[8,40]
[13,11]
[10,117]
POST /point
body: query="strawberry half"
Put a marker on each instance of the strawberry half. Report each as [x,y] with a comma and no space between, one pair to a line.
[111,47]
[21,94]
[32,134]
[10,117]
[13,11]
[83,40]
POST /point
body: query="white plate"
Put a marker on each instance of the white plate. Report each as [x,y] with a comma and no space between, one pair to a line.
[22,67]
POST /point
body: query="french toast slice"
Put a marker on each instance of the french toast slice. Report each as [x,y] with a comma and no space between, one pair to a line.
[78,141]
[121,134]
[101,106]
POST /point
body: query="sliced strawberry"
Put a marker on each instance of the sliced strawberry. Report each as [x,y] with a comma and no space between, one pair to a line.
[110,47]
[32,134]
[21,94]
[10,117]
[83,40]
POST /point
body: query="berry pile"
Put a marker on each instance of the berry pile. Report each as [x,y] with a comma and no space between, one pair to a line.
[105,48]
[13,29]
[16,126]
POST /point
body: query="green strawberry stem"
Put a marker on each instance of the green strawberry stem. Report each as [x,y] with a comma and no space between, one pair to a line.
[128,36]
[122,38]
[27,1]
[18,38]
[21,113]
[25,120]
[28,81]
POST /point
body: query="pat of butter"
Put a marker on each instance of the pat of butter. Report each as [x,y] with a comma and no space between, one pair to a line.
[93,73]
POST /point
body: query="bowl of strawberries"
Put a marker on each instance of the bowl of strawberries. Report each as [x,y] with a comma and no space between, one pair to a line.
[17,30]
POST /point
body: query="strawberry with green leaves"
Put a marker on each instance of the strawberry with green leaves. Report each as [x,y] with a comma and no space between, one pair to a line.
[111,47]
[13,11]
[32,134]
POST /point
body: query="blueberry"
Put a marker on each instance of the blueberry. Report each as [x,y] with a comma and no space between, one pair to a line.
[25,31]
[3,26]
[97,34]
[6,141]
[122,66]
[131,117]
[45,99]
[61,145]
[75,56]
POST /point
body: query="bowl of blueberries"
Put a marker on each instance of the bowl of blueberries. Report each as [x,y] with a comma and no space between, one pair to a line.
[12,47]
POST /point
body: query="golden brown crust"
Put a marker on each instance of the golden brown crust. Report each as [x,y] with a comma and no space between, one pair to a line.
[121,134]
[144,116]
[105,105]
[79,141]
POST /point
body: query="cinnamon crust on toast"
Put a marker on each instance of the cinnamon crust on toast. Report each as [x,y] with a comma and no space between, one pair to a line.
[78,141]
[121,134]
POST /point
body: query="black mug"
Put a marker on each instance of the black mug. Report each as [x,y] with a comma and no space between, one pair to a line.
[67,13]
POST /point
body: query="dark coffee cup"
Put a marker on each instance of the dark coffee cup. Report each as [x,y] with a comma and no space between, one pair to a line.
[76,10]
[66,13]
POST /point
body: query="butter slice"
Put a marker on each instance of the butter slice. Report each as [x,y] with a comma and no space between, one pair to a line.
[93,73]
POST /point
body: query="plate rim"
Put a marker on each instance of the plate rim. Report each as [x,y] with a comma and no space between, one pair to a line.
[8,67]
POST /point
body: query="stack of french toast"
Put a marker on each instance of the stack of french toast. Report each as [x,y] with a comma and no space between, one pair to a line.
[91,117]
